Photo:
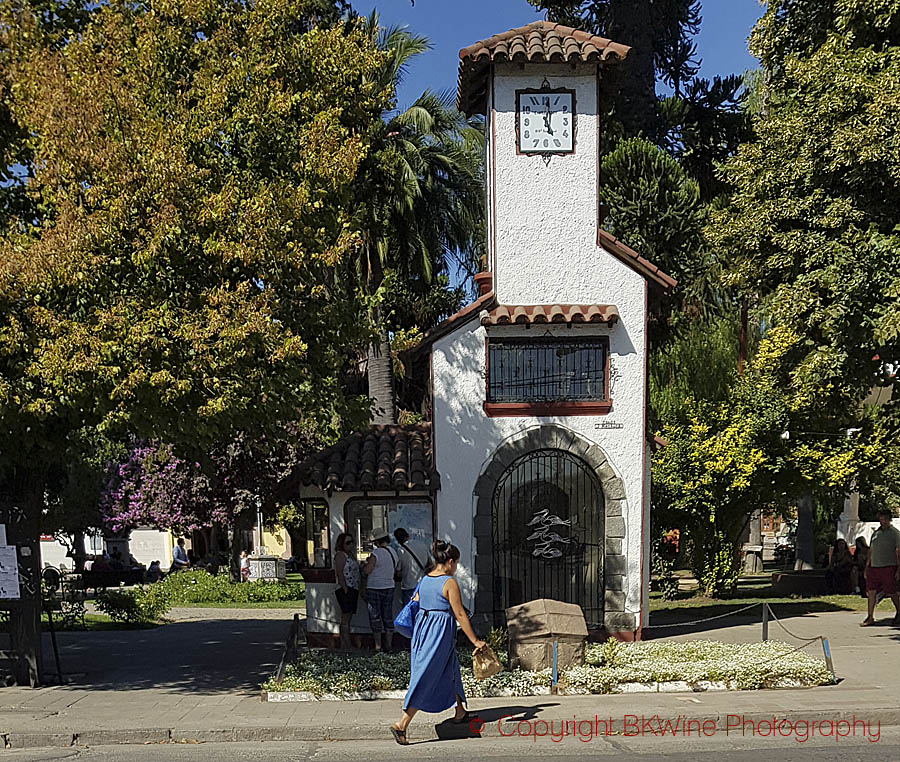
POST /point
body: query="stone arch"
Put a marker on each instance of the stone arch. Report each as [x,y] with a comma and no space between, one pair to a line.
[555,437]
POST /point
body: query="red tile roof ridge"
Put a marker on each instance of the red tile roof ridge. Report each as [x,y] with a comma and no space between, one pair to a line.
[634,260]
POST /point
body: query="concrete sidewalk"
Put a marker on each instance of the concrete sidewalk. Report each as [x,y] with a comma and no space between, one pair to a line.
[134,688]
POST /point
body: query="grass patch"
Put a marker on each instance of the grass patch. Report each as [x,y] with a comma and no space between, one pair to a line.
[689,605]
[744,666]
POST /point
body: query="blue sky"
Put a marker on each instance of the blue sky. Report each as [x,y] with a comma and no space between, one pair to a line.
[454,24]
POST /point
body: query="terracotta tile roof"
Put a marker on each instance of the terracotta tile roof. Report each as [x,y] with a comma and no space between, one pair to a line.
[550,313]
[539,42]
[390,457]
[634,260]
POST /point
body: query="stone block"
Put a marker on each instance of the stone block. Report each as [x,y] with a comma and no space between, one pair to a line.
[613,600]
[484,564]
[614,489]
[539,655]
[483,525]
[615,581]
[545,618]
[565,439]
[604,471]
[536,625]
[614,507]
[615,526]
[618,621]
[616,565]
[613,546]
[484,544]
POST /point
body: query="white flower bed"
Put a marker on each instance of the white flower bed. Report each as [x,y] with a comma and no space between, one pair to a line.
[612,667]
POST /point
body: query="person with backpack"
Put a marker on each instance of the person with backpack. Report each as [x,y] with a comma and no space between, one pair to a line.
[411,567]
[382,570]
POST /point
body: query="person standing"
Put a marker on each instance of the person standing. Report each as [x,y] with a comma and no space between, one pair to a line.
[435,683]
[346,572]
[179,556]
[411,567]
[858,570]
[883,566]
[245,566]
[382,572]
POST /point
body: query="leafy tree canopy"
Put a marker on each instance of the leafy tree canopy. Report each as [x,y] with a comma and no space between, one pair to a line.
[193,165]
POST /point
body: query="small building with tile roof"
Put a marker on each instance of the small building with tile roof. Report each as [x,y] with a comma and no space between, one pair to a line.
[536,460]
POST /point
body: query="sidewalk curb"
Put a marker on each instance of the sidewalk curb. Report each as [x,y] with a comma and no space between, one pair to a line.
[883,717]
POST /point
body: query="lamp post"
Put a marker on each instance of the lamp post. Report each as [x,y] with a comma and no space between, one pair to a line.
[260,545]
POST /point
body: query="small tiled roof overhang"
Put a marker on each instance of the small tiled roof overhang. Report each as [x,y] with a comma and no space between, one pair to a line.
[539,42]
[381,458]
[550,313]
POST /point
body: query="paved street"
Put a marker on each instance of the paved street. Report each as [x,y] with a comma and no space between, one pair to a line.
[198,680]
[638,750]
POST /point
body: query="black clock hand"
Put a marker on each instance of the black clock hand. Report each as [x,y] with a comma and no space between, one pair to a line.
[547,120]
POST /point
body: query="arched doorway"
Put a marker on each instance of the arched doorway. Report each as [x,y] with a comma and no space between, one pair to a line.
[547,531]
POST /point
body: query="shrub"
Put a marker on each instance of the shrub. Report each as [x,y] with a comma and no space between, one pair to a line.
[201,587]
[134,606]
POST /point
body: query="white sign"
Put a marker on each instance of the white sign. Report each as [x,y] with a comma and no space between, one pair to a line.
[9,573]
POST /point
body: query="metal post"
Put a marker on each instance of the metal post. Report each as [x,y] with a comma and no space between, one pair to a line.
[555,677]
[828,661]
[59,673]
[765,621]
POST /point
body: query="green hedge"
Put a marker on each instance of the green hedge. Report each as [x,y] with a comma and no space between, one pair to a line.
[134,605]
[187,587]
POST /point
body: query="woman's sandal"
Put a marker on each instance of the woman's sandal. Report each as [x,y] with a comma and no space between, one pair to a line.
[465,718]
[399,736]
[867,622]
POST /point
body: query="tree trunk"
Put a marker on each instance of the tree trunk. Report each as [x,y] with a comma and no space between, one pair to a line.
[236,532]
[742,338]
[22,531]
[380,374]
[629,24]
[805,546]
[79,556]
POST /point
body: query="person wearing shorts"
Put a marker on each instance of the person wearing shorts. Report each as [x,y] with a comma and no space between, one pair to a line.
[381,571]
[883,567]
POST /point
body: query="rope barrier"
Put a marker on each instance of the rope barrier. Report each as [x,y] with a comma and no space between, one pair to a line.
[791,634]
[707,619]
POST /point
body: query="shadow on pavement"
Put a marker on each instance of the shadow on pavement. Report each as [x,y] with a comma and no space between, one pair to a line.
[208,656]
[684,621]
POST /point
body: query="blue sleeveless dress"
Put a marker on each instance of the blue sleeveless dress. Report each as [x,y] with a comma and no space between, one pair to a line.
[434,679]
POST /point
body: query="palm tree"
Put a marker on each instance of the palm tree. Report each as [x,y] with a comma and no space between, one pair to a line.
[421,199]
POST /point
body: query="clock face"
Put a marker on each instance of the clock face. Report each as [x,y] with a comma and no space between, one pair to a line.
[545,121]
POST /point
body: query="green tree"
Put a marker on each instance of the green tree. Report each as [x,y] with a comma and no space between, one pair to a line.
[812,224]
[421,196]
[195,164]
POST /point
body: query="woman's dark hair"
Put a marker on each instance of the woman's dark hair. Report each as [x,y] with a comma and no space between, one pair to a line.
[342,540]
[441,553]
[861,541]
[837,544]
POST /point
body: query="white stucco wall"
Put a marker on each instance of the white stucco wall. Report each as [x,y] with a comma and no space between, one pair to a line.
[542,243]
[545,231]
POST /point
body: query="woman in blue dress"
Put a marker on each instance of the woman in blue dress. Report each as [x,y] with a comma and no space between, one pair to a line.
[435,683]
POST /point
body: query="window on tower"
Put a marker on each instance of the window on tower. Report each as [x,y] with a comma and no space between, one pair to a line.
[548,375]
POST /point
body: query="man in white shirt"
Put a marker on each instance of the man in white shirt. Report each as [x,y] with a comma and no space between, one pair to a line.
[410,565]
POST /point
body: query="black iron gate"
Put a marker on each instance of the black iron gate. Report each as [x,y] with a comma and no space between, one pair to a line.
[547,530]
